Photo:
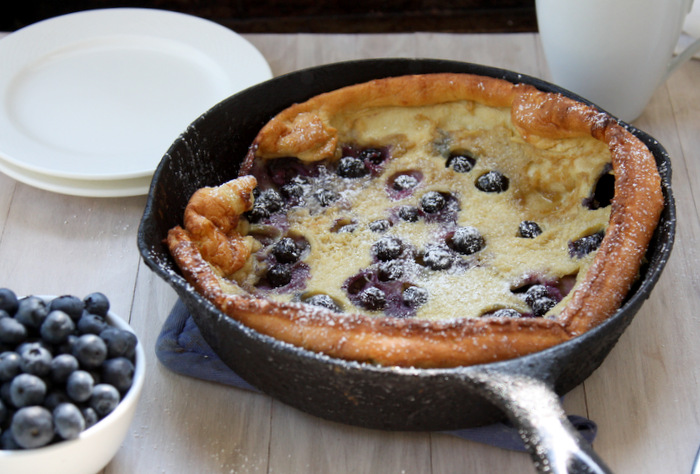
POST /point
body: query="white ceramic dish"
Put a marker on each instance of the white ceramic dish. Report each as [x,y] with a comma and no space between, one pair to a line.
[101,94]
[78,187]
[97,445]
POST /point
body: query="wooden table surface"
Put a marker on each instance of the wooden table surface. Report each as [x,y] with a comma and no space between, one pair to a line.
[644,397]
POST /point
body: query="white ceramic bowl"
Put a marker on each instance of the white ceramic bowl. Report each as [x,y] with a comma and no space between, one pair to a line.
[96,446]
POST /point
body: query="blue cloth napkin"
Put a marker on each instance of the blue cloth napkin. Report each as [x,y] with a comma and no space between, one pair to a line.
[181,348]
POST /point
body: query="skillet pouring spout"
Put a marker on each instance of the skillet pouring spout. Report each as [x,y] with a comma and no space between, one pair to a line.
[553,443]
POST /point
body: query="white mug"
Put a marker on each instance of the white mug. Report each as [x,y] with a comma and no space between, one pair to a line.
[614,53]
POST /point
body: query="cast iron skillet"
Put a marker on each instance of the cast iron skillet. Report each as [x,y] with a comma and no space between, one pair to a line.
[525,389]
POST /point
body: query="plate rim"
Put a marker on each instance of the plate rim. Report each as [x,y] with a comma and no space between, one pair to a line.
[33,41]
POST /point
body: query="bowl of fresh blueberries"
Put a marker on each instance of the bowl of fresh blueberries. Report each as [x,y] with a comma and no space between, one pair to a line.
[71,374]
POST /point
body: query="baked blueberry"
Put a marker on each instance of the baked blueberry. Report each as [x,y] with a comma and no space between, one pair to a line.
[295,188]
[324,301]
[461,162]
[351,167]
[535,292]
[286,250]
[492,182]
[387,248]
[266,203]
[506,313]
[409,213]
[390,270]
[529,229]
[466,240]
[372,155]
[437,257]
[279,275]
[603,192]
[380,225]
[404,182]
[541,305]
[326,197]
[372,298]
[585,245]
[414,296]
[432,202]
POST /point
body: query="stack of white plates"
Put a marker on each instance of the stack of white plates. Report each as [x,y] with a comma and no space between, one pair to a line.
[91,101]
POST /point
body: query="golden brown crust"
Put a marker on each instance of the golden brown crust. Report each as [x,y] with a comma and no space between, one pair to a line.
[305,130]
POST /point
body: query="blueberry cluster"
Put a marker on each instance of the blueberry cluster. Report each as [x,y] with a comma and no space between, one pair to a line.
[63,367]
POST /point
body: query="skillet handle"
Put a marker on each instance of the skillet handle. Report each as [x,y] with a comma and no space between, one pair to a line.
[553,443]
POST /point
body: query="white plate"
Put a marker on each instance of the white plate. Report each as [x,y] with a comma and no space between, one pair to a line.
[101,94]
[78,187]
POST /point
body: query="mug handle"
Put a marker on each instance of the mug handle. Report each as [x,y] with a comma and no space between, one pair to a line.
[687,53]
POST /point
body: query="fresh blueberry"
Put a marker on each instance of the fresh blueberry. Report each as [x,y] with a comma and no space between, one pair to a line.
[506,313]
[56,327]
[79,386]
[390,270]
[62,366]
[387,248]
[404,182]
[432,202]
[437,257]
[541,305]
[12,331]
[286,250]
[104,399]
[7,441]
[55,397]
[118,372]
[279,275]
[3,413]
[409,213]
[351,167]
[326,197]
[324,301]
[90,416]
[36,360]
[69,304]
[31,311]
[461,162]
[380,225]
[68,421]
[120,342]
[414,296]
[529,229]
[9,365]
[372,298]
[535,292]
[90,350]
[90,323]
[585,245]
[492,182]
[96,303]
[8,301]
[26,390]
[466,240]
[32,427]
